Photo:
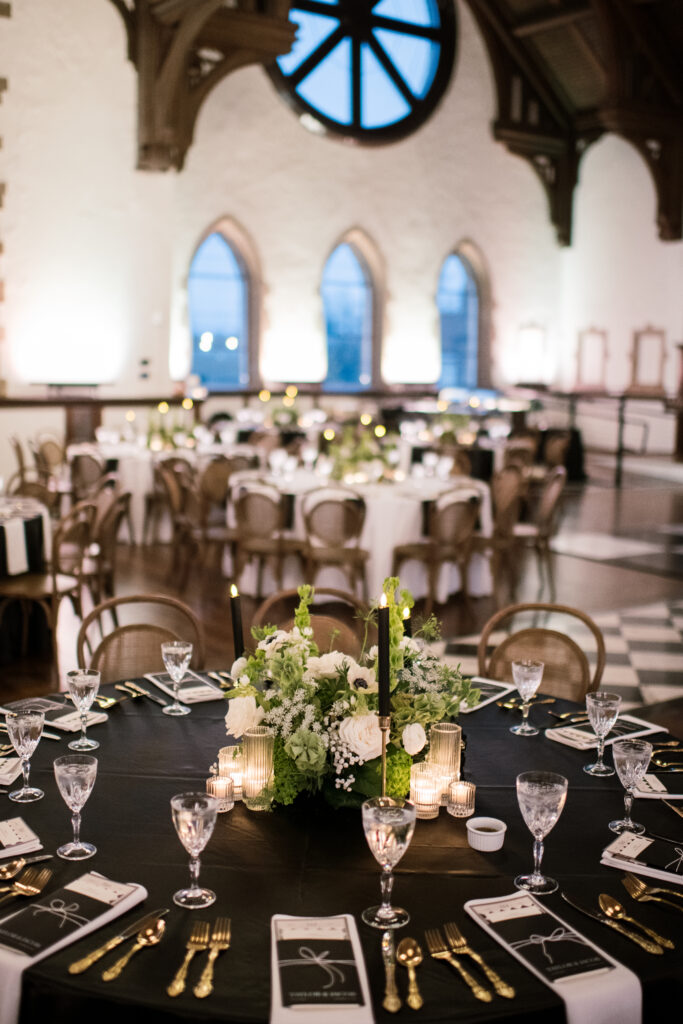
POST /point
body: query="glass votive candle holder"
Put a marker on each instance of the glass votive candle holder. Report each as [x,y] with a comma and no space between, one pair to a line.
[444,753]
[224,791]
[461,799]
[425,789]
[231,764]
[258,768]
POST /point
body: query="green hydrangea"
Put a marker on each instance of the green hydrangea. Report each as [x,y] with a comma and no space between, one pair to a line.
[307,750]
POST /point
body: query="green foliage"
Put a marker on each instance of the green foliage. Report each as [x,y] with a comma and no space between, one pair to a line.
[302,616]
[308,752]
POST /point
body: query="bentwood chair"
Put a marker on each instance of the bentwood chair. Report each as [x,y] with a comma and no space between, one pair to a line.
[214,491]
[338,619]
[333,519]
[538,533]
[99,567]
[62,578]
[181,498]
[260,531]
[452,521]
[567,672]
[133,648]
[508,488]
[87,469]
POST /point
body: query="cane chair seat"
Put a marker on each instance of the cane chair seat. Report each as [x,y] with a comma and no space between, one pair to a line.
[567,671]
[130,650]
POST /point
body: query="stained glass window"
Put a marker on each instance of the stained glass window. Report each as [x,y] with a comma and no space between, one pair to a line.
[347,301]
[218,306]
[373,69]
[457,299]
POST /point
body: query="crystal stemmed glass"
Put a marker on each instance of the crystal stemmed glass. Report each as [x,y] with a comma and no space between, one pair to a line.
[25,729]
[83,685]
[603,709]
[75,775]
[526,676]
[541,797]
[194,817]
[631,758]
[177,655]
[388,825]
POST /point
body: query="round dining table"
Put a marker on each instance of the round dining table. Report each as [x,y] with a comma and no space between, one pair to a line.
[307,859]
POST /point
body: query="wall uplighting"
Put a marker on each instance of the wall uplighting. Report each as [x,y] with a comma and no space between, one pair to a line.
[366,419]
[288,401]
[231,343]
[291,391]
[380,430]
[264,395]
[329,434]
[130,416]
[187,403]
[163,408]
[206,341]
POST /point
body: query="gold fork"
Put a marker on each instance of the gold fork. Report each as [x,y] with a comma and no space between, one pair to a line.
[197,943]
[30,883]
[220,940]
[440,951]
[644,893]
[458,944]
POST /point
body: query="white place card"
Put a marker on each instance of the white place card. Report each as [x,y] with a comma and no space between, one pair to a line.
[651,787]
[643,855]
[490,690]
[194,689]
[582,737]
[17,838]
[10,769]
[61,716]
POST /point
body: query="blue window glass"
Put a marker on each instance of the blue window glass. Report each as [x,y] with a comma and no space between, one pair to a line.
[371,69]
[457,299]
[347,301]
[218,305]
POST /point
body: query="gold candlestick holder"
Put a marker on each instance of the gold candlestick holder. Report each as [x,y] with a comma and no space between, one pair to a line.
[385,726]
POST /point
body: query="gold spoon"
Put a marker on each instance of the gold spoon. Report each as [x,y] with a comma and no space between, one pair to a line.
[11,868]
[614,909]
[409,954]
[147,937]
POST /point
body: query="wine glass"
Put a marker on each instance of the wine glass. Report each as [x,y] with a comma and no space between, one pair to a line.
[194,817]
[25,729]
[541,797]
[83,685]
[177,655]
[631,758]
[388,825]
[603,709]
[526,676]
[75,775]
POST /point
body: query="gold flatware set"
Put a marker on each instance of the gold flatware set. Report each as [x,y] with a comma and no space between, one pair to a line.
[136,928]
[452,948]
[218,943]
[30,882]
[643,893]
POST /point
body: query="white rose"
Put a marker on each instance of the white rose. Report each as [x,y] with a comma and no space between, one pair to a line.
[243,713]
[238,667]
[326,664]
[414,738]
[363,735]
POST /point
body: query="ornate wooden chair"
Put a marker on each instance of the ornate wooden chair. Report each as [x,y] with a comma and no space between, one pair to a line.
[567,672]
[334,518]
[337,618]
[538,533]
[260,530]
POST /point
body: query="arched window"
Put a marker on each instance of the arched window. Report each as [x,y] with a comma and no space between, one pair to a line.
[347,294]
[218,299]
[458,302]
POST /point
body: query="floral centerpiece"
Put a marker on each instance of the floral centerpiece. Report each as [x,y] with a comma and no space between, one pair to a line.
[361,451]
[322,707]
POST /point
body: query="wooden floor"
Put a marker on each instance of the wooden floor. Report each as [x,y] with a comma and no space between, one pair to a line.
[639,509]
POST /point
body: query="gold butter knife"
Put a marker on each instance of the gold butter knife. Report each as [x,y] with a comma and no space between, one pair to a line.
[392,1000]
[78,966]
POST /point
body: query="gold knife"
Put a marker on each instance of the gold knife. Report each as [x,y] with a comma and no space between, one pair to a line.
[87,961]
[392,1000]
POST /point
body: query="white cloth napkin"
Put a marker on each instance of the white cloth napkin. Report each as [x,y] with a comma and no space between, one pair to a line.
[15,546]
[12,964]
[313,1014]
[605,997]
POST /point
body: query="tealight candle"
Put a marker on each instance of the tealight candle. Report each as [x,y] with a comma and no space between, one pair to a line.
[231,765]
[223,790]
[461,799]
[425,789]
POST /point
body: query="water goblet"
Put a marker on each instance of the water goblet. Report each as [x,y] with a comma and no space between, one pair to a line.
[526,676]
[25,729]
[541,797]
[631,758]
[177,655]
[194,817]
[83,685]
[75,775]
[388,824]
[603,709]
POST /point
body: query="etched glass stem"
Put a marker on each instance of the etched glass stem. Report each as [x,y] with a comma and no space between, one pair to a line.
[386,884]
[538,857]
[194,873]
[76,826]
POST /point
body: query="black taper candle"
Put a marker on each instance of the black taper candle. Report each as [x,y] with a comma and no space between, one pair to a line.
[383,656]
[236,613]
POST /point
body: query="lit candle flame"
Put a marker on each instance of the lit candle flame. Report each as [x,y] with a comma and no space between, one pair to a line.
[406,612]
[383,601]
[234,592]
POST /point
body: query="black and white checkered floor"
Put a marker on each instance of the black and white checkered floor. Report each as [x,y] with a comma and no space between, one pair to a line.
[644,648]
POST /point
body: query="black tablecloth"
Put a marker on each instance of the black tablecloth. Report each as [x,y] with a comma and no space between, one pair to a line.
[309,860]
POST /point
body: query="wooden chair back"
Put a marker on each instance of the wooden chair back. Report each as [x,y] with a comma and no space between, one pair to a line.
[567,672]
[333,517]
[338,626]
[130,650]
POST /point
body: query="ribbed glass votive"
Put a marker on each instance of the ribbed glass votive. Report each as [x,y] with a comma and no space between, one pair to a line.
[461,799]
[224,790]
[231,764]
[444,753]
[425,789]
[258,768]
